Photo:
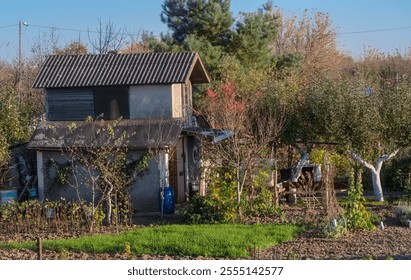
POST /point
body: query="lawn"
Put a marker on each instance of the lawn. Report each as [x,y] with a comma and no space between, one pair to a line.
[224,240]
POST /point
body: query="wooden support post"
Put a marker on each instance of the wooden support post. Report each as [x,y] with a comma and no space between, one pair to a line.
[39,248]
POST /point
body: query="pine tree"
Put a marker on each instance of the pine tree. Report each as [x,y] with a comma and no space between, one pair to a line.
[209,19]
[253,36]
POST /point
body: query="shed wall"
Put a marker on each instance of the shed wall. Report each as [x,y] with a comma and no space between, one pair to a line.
[144,192]
[151,102]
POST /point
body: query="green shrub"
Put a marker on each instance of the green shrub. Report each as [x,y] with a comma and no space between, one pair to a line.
[260,200]
[222,193]
[203,210]
[34,216]
[398,173]
[336,227]
[262,205]
[404,212]
[355,212]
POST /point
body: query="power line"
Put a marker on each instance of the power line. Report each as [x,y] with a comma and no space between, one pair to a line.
[61,28]
[74,30]
[374,30]
[93,31]
[10,25]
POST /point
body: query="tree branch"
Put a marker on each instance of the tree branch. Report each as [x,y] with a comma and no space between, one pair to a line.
[298,169]
[383,158]
[358,159]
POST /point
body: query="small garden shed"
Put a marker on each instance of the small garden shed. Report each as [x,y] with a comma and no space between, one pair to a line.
[145,96]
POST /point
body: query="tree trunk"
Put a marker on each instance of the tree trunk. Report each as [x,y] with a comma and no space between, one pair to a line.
[376,185]
[109,210]
[296,172]
[375,172]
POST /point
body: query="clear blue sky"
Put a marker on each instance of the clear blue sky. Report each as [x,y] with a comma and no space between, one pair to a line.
[348,16]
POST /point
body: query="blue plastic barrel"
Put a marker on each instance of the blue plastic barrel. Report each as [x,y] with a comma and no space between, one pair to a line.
[168,204]
[32,192]
[7,196]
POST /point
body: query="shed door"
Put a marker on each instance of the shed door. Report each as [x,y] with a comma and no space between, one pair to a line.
[193,164]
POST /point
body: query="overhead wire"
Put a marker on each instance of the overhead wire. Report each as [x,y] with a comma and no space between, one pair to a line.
[94,31]
[374,30]
[73,29]
[339,33]
[10,25]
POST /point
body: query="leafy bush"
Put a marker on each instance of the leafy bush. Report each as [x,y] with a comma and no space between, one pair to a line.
[222,192]
[342,164]
[203,210]
[260,199]
[355,212]
[33,216]
[262,205]
[404,212]
[398,174]
[14,122]
[336,227]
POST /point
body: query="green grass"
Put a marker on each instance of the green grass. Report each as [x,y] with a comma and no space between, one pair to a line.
[226,240]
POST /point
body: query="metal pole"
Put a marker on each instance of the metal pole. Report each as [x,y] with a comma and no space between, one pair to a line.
[20,56]
[19,66]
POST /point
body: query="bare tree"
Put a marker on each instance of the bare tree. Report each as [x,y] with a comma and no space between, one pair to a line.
[46,44]
[249,125]
[137,42]
[315,38]
[108,37]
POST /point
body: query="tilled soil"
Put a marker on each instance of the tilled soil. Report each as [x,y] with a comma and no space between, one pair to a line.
[394,241]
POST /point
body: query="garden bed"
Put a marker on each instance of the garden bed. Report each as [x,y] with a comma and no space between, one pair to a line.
[392,242]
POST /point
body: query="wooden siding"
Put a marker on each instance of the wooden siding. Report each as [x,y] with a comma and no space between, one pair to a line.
[69,104]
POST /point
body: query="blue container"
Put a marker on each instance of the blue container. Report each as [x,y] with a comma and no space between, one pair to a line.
[168,205]
[32,192]
[7,196]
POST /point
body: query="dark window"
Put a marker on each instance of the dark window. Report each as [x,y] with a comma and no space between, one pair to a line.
[112,102]
[69,104]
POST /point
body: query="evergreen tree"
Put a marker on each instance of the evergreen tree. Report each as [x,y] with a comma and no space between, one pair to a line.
[253,36]
[206,26]
[210,19]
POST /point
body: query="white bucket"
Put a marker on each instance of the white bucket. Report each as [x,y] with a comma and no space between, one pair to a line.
[8,196]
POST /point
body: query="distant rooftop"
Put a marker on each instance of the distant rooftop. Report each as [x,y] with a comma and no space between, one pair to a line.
[64,71]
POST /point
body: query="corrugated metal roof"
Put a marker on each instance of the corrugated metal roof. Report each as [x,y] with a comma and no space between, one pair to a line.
[62,71]
[61,135]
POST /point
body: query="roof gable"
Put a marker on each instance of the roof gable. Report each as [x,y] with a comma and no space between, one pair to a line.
[62,71]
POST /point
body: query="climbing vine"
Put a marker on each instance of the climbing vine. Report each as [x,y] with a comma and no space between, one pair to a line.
[355,212]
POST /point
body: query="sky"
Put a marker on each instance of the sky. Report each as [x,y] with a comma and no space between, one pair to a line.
[381,24]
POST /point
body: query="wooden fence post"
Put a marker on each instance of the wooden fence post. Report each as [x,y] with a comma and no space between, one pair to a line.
[39,248]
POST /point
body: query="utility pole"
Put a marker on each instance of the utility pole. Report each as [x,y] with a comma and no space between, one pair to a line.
[19,66]
[20,62]
[20,55]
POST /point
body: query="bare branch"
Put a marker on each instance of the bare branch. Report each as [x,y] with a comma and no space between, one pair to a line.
[109,37]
